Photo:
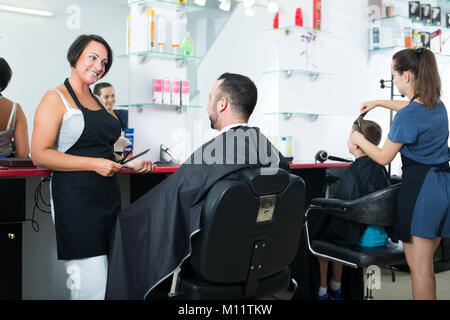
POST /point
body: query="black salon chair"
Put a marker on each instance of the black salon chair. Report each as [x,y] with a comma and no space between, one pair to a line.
[377,208]
[250,231]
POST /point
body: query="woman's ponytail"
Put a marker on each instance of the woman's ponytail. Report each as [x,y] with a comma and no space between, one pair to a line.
[422,63]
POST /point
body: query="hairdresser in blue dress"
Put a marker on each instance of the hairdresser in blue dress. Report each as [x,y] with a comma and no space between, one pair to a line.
[73,135]
[420,133]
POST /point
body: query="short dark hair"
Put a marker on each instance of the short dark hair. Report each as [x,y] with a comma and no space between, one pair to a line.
[99,86]
[370,130]
[77,47]
[240,91]
[5,74]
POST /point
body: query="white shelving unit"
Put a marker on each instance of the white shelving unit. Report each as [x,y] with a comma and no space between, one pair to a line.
[155,124]
[300,70]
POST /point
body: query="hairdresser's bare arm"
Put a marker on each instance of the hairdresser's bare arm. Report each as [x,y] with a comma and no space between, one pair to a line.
[394,105]
[383,155]
[47,122]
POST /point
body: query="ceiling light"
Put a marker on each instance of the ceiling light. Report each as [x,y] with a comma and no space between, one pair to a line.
[26,10]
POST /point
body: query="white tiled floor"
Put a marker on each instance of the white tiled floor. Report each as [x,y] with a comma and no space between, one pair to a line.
[398,290]
[401,288]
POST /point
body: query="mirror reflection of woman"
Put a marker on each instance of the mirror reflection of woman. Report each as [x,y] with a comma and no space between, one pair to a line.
[105,91]
[13,123]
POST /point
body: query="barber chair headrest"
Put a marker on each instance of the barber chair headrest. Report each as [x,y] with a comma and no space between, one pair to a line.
[265,182]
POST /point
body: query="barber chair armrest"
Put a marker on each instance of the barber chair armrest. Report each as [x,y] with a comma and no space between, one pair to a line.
[331,203]
[342,209]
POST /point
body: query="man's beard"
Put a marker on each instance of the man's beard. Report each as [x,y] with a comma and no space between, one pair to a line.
[213,119]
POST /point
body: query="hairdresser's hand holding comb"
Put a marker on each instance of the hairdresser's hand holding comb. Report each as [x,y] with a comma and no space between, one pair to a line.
[369,105]
[394,105]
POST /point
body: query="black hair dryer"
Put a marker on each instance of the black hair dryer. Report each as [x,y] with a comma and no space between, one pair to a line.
[322,156]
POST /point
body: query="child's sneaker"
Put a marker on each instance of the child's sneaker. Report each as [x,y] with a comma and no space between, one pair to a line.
[324,297]
[335,295]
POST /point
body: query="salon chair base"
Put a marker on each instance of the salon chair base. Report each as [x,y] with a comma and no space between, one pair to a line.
[196,289]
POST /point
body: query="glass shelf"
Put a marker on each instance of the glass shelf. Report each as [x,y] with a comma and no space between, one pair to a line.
[405,19]
[160,55]
[397,48]
[287,29]
[301,113]
[169,4]
[289,72]
[312,116]
[149,104]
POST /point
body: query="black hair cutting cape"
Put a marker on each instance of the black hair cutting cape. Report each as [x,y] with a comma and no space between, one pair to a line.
[152,237]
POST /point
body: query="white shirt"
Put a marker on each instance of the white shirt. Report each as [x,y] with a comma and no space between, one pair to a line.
[233,126]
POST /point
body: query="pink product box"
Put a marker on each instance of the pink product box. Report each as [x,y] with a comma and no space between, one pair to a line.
[176,92]
[166,92]
[185,92]
[157,91]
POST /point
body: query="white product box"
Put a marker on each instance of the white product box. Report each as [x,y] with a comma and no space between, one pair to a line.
[185,92]
[166,92]
[176,92]
[157,91]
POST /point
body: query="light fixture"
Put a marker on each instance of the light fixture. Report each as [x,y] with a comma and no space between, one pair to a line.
[225,5]
[272,6]
[250,11]
[26,10]
[200,2]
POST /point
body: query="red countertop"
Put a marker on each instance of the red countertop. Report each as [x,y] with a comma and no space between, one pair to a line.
[42,172]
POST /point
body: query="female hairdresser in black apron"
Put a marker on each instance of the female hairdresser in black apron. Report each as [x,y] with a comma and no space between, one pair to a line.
[74,136]
[420,133]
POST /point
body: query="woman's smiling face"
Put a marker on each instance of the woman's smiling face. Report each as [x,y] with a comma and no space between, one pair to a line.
[92,62]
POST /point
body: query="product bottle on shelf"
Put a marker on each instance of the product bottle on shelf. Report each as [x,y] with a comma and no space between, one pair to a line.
[275,21]
[129,134]
[187,47]
[299,17]
[128,33]
[283,146]
[317,14]
[162,22]
[151,30]
[178,33]
[408,37]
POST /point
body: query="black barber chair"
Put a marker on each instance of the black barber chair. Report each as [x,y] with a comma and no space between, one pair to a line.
[377,208]
[250,231]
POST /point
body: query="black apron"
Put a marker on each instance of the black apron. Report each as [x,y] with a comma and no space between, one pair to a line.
[86,203]
[413,176]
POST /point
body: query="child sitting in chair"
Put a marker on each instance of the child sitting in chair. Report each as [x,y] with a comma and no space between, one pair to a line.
[362,177]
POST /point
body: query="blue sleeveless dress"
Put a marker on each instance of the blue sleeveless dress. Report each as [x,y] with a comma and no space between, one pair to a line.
[424,199]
